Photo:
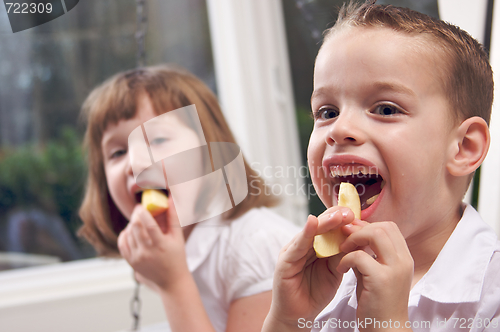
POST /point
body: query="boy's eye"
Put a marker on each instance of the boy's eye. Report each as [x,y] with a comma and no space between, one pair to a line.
[326,113]
[386,109]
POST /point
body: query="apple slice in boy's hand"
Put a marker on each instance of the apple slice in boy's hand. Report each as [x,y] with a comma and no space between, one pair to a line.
[155,201]
[327,244]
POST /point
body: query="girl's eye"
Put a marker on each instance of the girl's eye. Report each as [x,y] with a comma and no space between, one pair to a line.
[386,110]
[326,113]
[158,140]
[118,153]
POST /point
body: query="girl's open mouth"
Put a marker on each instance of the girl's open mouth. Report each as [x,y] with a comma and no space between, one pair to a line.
[366,179]
[138,195]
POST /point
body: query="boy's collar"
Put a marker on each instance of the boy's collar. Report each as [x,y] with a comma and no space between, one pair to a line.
[458,272]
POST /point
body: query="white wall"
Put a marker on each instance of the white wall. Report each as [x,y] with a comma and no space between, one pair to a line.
[489,190]
[81,296]
[255,91]
[472,19]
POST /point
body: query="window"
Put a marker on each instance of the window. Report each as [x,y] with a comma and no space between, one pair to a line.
[46,72]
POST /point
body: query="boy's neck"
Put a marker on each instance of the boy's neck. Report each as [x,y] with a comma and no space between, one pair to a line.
[425,250]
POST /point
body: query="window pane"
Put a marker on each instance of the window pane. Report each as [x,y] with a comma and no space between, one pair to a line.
[46,72]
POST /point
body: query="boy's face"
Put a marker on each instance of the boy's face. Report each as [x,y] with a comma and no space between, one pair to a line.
[379,107]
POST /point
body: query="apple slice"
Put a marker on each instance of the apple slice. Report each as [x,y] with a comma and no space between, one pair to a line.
[155,201]
[327,244]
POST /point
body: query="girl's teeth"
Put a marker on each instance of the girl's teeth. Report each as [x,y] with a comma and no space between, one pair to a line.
[372,199]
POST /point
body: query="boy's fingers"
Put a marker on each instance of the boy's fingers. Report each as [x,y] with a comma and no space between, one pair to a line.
[302,242]
[359,260]
[334,261]
[355,226]
[334,218]
[378,238]
[360,223]
[399,241]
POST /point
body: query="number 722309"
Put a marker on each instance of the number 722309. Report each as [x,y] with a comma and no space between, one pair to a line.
[28,8]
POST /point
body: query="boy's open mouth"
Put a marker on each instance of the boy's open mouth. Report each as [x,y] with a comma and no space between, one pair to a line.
[138,195]
[366,179]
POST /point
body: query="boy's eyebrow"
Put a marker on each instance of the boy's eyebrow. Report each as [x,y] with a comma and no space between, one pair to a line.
[316,93]
[395,87]
[378,86]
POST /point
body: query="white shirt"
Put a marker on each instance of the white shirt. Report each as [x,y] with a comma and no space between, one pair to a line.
[236,258]
[460,292]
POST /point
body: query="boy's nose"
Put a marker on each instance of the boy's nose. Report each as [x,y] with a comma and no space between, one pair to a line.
[346,129]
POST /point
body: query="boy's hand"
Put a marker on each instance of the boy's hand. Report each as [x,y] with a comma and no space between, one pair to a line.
[154,247]
[384,280]
[303,283]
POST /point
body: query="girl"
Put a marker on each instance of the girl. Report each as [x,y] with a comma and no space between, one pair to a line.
[212,276]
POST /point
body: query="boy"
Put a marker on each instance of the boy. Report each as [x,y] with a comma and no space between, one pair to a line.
[401,104]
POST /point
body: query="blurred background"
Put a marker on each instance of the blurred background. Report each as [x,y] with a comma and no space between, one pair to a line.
[47,71]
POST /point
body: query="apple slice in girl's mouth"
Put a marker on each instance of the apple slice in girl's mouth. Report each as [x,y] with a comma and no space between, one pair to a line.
[155,201]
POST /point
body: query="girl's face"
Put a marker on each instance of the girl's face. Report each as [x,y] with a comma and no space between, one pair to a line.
[175,136]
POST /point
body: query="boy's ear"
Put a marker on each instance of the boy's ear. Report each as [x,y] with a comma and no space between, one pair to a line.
[469,147]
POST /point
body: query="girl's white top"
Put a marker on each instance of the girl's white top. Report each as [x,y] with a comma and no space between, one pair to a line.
[234,259]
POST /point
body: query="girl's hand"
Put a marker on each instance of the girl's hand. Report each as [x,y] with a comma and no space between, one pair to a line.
[303,283]
[155,248]
[384,279]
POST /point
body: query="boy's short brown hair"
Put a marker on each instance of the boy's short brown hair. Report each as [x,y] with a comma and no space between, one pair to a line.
[468,78]
[169,88]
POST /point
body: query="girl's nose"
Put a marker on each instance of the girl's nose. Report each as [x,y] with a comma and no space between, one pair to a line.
[346,129]
[128,169]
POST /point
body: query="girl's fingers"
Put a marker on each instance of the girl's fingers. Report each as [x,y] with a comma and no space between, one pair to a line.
[142,216]
[172,220]
[123,245]
[140,235]
[132,244]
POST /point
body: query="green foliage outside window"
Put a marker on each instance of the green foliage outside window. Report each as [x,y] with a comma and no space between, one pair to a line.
[49,177]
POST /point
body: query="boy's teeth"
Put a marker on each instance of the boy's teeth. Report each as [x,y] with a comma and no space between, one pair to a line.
[337,171]
[372,199]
